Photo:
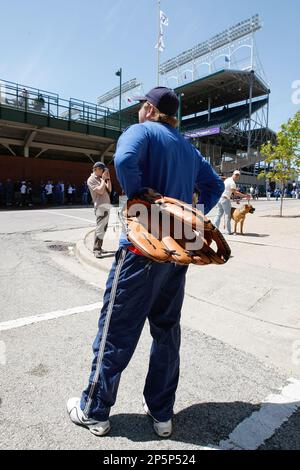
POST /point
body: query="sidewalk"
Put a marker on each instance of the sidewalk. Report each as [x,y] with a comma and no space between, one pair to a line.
[263,229]
[240,335]
[251,303]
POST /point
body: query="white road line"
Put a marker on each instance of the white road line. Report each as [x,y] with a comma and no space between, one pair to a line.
[19,322]
[251,433]
[70,216]
[209,448]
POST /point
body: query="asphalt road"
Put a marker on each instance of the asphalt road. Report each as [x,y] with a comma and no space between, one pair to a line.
[221,392]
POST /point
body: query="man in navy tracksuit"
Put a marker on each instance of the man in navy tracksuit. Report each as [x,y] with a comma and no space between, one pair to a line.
[149,154]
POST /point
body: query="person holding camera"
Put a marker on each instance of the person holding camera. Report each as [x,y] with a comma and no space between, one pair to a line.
[99,184]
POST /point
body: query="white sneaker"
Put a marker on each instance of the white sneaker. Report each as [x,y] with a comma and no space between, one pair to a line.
[162,428]
[99,428]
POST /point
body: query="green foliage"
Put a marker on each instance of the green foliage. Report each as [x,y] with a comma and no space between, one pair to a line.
[284,156]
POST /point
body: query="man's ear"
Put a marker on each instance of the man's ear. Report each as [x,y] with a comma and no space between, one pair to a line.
[150,112]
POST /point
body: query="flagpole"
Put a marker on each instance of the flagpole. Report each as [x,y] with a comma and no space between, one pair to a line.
[158,42]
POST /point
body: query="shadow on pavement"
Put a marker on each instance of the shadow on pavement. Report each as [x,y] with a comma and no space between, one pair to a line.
[204,424]
[107,254]
[254,235]
[297,216]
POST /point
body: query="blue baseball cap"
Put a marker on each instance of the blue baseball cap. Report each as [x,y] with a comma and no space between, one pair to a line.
[164,99]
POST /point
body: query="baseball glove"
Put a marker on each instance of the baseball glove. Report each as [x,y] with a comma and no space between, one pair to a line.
[168,230]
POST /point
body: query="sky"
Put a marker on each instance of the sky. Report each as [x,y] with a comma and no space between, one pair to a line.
[74,47]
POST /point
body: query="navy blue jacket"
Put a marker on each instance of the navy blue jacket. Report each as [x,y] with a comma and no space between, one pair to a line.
[157,156]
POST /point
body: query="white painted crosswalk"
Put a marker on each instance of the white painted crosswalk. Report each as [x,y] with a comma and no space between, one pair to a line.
[253,432]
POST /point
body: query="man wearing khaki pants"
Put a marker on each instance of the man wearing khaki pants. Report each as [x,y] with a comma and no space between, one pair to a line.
[99,184]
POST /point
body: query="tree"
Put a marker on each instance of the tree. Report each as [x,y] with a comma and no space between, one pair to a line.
[283,157]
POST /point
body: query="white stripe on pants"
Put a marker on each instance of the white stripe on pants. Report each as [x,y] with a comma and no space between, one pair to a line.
[105,330]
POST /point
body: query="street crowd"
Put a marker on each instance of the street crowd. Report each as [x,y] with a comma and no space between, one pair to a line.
[46,193]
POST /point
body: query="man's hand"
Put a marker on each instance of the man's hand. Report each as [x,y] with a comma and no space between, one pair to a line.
[107,180]
[106,175]
[243,196]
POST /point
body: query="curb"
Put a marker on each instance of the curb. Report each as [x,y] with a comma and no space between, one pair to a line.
[86,257]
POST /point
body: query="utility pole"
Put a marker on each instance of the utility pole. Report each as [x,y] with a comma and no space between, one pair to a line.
[119,74]
[158,43]
[180,96]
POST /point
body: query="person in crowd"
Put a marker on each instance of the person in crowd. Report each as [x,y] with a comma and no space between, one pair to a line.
[62,193]
[29,194]
[9,192]
[74,193]
[1,194]
[59,189]
[39,103]
[17,193]
[23,191]
[49,192]
[23,100]
[84,193]
[277,194]
[42,193]
[114,197]
[196,196]
[69,193]
[56,193]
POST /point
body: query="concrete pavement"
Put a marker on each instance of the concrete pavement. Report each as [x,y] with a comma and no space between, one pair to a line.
[252,302]
[240,340]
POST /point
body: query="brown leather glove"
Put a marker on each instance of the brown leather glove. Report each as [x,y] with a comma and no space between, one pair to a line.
[168,230]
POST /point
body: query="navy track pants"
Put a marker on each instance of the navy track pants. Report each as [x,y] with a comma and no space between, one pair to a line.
[137,289]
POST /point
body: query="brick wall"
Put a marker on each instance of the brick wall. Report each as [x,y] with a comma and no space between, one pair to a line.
[35,170]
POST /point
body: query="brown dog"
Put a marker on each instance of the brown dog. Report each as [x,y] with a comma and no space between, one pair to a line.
[239,215]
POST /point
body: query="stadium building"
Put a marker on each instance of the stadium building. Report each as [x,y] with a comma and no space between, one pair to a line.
[224,111]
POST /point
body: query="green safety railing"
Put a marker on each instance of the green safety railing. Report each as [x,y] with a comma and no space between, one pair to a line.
[34,100]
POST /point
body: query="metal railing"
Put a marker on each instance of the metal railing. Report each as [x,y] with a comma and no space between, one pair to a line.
[33,100]
[240,162]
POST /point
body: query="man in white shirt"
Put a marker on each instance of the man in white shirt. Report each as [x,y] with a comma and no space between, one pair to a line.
[49,192]
[224,205]
[62,193]
[23,191]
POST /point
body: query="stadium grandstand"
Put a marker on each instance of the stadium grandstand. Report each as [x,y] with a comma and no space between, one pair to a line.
[225,115]
[224,111]
[43,136]
[224,101]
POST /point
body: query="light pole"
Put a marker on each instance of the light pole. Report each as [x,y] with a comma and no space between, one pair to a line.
[119,74]
[180,96]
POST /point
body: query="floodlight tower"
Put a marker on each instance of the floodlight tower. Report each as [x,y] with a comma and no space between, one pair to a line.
[234,50]
[219,52]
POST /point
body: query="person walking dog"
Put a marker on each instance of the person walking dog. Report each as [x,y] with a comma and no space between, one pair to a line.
[224,205]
